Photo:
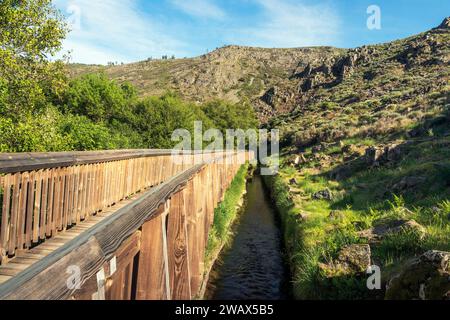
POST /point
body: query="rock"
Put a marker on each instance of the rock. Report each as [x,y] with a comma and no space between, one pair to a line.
[353,259]
[341,173]
[379,232]
[323,195]
[392,152]
[317,149]
[302,217]
[353,150]
[425,278]
[445,24]
[373,156]
[357,257]
[300,159]
[307,85]
[269,96]
[408,183]
[336,215]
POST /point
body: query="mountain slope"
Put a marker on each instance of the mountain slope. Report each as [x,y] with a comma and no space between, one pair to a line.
[281,81]
[232,73]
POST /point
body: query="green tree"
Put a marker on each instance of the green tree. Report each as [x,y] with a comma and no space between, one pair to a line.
[30,32]
[100,99]
[226,115]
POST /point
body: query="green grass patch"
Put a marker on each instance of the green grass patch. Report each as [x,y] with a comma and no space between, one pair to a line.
[225,214]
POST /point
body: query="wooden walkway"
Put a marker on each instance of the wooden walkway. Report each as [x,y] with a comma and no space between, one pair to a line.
[119,225]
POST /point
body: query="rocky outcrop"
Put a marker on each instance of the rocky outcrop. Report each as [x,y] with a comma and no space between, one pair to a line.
[269,96]
[351,260]
[424,278]
[381,231]
[323,195]
[408,183]
[375,156]
[445,25]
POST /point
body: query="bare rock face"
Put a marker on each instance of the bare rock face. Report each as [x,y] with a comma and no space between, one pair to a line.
[269,96]
[353,259]
[445,24]
[424,278]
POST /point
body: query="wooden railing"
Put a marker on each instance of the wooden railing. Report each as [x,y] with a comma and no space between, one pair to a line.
[44,194]
[151,249]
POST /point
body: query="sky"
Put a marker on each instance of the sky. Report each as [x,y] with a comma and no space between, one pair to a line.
[134,30]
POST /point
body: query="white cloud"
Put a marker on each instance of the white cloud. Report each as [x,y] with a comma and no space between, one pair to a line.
[200,8]
[114,30]
[289,23]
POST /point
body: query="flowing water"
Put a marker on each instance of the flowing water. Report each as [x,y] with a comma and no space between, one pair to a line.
[252,268]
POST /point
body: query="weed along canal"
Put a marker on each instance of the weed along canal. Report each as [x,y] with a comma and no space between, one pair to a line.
[252,266]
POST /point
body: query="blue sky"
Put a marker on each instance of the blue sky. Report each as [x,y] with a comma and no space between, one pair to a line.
[133,30]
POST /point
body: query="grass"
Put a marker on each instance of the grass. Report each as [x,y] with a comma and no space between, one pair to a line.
[362,201]
[225,214]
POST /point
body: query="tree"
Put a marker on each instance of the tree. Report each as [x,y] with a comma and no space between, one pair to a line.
[31,31]
[226,115]
[100,99]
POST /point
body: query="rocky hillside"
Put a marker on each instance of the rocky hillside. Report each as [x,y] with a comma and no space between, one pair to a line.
[365,176]
[286,81]
[233,73]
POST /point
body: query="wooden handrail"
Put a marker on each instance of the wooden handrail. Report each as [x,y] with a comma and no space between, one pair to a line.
[28,161]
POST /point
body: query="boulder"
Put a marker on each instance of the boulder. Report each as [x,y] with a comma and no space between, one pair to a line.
[341,173]
[426,278]
[336,215]
[302,217]
[375,156]
[352,259]
[307,85]
[323,195]
[408,183]
[317,148]
[269,96]
[379,232]
[300,159]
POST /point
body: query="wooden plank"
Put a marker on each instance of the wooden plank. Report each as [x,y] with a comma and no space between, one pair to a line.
[44,206]
[151,275]
[50,205]
[14,214]
[190,209]
[178,250]
[66,200]
[4,236]
[22,211]
[120,282]
[37,207]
